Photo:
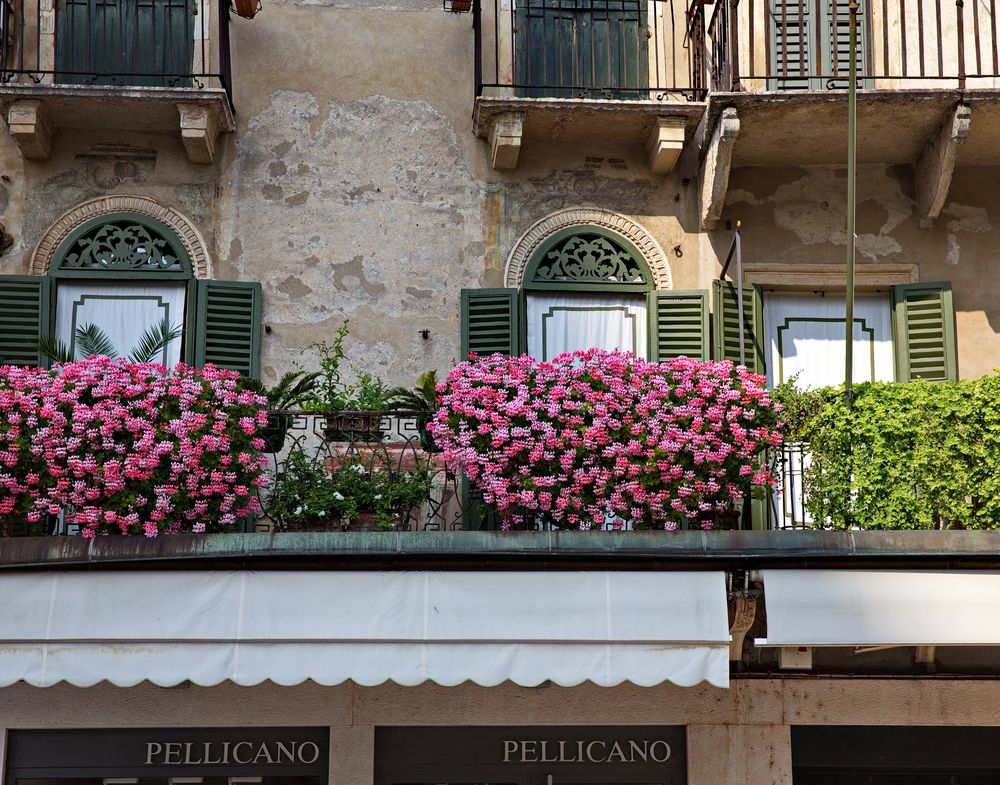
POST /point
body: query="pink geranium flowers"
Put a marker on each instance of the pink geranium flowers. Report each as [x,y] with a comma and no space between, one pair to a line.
[595,439]
[129,448]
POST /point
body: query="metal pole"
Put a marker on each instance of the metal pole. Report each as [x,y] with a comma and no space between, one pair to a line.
[852,109]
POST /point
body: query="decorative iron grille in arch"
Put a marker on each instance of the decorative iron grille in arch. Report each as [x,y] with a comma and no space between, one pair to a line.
[589,258]
[125,244]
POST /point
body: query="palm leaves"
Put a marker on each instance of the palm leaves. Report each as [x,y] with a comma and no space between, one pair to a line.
[92,340]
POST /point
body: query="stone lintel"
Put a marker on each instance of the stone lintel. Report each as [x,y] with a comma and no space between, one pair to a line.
[937,164]
[30,127]
[665,142]
[715,167]
[505,139]
[198,132]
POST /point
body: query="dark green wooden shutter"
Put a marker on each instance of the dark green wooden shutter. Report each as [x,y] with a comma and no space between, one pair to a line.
[139,42]
[25,317]
[814,54]
[564,44]
[490,321]
[226,331]
[678,325]
[923,328]
[726,325]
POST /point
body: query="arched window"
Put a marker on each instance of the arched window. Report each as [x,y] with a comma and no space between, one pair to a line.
[125,273]
[585,286]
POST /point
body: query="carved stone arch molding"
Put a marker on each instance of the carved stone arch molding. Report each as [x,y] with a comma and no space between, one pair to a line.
[526,245]
[190,237]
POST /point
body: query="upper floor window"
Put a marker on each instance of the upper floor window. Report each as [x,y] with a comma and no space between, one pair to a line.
[570,46]
[123,275]
[134,42]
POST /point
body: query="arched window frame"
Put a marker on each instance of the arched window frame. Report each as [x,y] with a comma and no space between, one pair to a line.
[540,255]
[68,245]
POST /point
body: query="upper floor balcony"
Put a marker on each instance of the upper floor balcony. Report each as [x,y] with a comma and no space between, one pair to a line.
[614,71]
[927,75]
[159,66]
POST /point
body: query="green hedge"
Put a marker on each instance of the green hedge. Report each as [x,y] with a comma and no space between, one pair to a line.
[907,456]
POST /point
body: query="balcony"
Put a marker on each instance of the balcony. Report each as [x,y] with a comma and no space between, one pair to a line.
[927,79]
[154,66]
[611,71]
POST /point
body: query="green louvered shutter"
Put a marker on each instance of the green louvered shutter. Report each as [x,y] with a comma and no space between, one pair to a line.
[226,330]
[678,325]
[726,324]
[490,321]
[25,317]
[924,332]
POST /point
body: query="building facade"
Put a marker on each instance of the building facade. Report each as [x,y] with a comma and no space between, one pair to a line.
[514,176]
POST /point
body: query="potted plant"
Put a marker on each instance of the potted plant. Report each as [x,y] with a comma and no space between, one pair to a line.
[248,9]
[422,400]
[352,410]
[380,492]
[304,495]
[291,392]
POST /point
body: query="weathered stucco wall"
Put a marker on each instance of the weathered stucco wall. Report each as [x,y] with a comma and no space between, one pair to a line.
[738,736]
[797,215]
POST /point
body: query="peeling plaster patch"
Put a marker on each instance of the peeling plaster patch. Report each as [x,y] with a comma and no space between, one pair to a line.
[738,195]
[293,287]
[297,199]
[967,218]
[954,251]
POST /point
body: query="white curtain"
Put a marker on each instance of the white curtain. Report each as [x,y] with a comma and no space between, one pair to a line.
[124,311]
[566,321]
[805,335]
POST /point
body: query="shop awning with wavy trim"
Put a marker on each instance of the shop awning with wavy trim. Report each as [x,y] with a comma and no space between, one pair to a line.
[247,627]
[881,608]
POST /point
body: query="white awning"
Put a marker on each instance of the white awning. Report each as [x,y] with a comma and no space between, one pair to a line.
[881,608]
[369,627]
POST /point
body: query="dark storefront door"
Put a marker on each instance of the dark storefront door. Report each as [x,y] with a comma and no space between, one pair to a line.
[539,755]
[887,755]
[168,756]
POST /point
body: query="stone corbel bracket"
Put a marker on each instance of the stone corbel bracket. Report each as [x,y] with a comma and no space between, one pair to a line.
[937,164]
[665,142]
[30,127]
[715,168]
[198,132]
[506,131]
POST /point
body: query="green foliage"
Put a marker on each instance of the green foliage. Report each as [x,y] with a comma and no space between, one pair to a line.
[331,393]
[422,397]
[291,392]
[92,341]
[319,491]
[907,456]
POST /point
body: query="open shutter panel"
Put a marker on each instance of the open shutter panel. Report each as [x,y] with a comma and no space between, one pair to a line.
[726,325]
[25,316]
[793,37]
[227,328]
[924,332]
[678,325]
[490,321]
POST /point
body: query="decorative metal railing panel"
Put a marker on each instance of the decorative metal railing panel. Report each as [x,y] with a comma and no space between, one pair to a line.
[796,45]
[120,43]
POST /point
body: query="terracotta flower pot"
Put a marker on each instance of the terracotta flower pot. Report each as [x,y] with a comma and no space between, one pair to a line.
[460,6]
[246,8]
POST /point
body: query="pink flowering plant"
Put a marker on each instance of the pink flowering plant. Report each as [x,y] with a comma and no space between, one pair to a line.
[602,439]
[129,448]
